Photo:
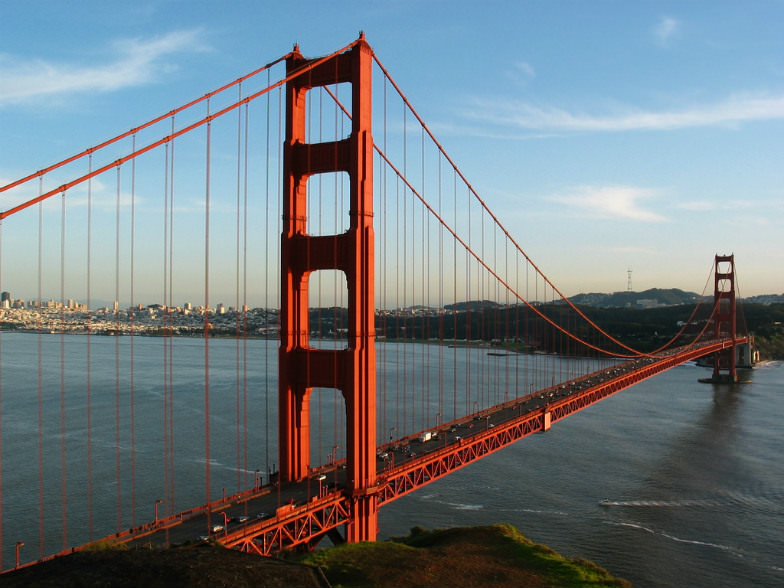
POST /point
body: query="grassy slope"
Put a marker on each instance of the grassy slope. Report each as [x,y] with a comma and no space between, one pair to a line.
[492,556]
[497,555]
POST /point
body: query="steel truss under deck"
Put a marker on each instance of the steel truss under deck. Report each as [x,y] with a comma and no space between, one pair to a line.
[305,525]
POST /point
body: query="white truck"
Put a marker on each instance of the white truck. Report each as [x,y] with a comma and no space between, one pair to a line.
[426,436]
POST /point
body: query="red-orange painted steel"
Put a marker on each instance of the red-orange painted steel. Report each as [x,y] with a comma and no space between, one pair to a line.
[306,524]
[353,370]
[725,320]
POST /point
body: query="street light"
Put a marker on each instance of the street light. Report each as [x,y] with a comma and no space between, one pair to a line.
[18,545]
[390,433]
[256,484]
[225,522]
[321,479]
[157,502]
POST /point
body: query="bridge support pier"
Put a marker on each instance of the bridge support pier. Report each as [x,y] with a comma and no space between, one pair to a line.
[725,362]
[351,370]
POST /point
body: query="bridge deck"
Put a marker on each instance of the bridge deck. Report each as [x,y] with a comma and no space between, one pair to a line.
[255,520]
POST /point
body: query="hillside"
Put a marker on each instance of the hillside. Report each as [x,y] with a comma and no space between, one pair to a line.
[491,556]
[487,556]
[651,298]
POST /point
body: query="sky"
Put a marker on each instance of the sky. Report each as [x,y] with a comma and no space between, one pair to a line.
[610,137]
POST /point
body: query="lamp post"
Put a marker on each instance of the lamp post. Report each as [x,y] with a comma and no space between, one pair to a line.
[18,545]
[157,502]
[321,479]
[390,433]
[256,484]
[225,522]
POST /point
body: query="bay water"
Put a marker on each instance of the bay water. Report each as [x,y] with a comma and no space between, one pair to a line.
[669,483]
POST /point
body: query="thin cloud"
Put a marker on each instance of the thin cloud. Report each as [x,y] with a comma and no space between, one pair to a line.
[138,61]
[665,30]
[610,202]
[521,73]
[731,111]
[697,205]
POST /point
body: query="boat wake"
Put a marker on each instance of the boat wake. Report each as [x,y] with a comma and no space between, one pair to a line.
[769,501]
[701,502]
[733,550]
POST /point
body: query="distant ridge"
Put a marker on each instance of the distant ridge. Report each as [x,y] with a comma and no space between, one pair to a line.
[652,298]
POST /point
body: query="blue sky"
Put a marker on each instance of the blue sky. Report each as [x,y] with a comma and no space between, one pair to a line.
[605,135]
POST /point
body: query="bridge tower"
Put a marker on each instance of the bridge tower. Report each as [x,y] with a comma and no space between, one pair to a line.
[351,370]
[725,362]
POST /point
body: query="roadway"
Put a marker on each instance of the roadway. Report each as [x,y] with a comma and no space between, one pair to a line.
[260,510]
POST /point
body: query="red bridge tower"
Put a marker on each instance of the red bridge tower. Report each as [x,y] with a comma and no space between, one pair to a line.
[725,320]
[351,370]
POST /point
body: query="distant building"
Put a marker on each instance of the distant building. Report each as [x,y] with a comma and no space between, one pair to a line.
[648,303]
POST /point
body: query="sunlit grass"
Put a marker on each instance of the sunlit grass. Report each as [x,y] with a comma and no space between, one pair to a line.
[497,555]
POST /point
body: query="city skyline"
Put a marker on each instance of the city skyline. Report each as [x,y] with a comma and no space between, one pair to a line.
[606,137]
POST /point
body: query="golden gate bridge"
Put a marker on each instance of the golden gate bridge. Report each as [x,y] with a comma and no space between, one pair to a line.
[307,204]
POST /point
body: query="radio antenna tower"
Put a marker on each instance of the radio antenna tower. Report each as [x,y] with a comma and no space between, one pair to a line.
[629,280]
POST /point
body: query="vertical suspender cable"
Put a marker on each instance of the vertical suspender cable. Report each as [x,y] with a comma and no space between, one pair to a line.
[454,299]
[405,274]
[117,354]
[266,286]
[383,194]
[440,299]
[207,313]
[519,348]
[245,300]
[169,339]
[131,317]
[425,292]
[88,357]
[63,462]
[40,385]
[237,330]
[483,365]
[400,420]
[167,466]
[468,311]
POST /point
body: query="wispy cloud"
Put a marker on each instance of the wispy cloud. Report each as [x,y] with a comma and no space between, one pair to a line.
[730,111]
[521,73]
[697,205]
[136,61]
[666,30]
[609,202]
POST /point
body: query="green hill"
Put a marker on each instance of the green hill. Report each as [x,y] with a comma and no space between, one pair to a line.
[489,556]
[653,297]
[485,556]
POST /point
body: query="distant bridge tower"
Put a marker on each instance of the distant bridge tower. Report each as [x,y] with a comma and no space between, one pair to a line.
[725,362]
[351,370]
